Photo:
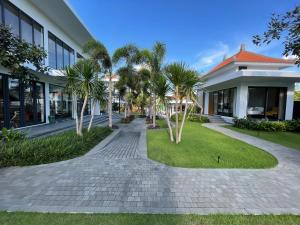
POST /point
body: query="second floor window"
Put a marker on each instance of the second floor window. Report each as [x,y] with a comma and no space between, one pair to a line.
[60,54]
[21,24]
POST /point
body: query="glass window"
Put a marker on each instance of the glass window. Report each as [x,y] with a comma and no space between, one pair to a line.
[51,52]
[40,102]
[38,35]
[12,19]
[72,58]
[79,56]
[1,103]
[59,53]
[26,28]
[1,16]
[28,103]
[14,102]
[66,56]
[60,102]
[256,102]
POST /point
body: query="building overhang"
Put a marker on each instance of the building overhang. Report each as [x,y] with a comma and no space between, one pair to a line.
[61,13]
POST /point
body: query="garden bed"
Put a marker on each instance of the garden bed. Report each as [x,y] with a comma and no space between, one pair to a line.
[50,149]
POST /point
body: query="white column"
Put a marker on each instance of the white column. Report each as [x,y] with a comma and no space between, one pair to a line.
[47,102]
[97,108]
[289,102]
[241,101]
[206,103]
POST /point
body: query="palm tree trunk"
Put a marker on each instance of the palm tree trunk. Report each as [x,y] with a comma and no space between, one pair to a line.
[110,102]
[81,115]
[92,115]
[74,96]
[169,124]
[183,119]
[154,112]
[125,111]
[176,114]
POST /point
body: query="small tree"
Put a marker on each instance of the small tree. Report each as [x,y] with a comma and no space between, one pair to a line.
[285,26]
[98,94]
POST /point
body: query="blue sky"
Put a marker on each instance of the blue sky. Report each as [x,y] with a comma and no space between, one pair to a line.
[195,31]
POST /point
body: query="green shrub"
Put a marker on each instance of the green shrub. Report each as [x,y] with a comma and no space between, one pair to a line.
[54,148]
[264,125]
[191,118]
[10,135]
[128,119]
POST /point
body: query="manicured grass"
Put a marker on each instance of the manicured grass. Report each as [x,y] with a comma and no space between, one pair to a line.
[162,123]
[288,139]
[200,148]
[54,148]
[142,219]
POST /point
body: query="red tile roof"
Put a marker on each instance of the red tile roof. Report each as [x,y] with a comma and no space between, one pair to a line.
[246,56]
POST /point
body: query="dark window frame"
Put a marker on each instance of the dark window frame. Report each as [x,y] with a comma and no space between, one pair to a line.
[6,102]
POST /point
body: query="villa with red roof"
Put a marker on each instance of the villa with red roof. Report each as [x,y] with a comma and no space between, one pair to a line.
[250,85]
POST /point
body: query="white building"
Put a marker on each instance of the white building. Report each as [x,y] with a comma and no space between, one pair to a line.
[250,85]
[54,26]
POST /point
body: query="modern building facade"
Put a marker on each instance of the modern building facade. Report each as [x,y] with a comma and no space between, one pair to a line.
[250,85]
[55,27]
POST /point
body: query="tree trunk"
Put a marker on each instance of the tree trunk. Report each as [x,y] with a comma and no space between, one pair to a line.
[74,97]
[81,115]
[183,118]
[169,124]
[92,115]
[154,112]
[150,106]
[176,114]
[125,110]
[110,102]
[119,104]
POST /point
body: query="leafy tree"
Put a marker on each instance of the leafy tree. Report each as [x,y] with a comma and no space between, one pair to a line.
[297,96]
[154,60]
[286,27]
[15,53]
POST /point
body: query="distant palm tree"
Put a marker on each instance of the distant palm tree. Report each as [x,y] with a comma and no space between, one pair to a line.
[99,95]
[162,88]
[154,60]
[176,74]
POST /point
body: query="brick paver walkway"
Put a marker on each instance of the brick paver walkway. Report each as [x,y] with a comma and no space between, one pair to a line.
[116,176]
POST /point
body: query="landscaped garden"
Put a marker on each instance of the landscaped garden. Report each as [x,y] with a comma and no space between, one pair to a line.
[142,219]
[20,151]
[204,148]
[285,133]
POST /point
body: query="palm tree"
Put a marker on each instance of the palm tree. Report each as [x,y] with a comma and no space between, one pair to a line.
[99,95]
[190,81]
[100,56]
[154,60]
[80,79]
[176,73]
[162,88]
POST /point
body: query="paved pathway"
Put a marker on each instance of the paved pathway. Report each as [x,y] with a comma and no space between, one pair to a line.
[116,176]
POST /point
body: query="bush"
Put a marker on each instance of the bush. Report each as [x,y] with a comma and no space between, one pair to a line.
[191,118]
[10,135]
[54,148]
[264,125]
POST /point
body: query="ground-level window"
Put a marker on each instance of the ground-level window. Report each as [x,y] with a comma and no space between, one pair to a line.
[266,102]
[222,102]
[19,102]
[60,102]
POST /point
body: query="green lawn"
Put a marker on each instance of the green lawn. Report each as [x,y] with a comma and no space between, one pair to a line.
[200,148]
[288,139]
[142,219]
[162,123]
[50,149]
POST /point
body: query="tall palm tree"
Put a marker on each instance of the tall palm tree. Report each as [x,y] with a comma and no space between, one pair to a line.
[162,88]
[99,95]
[189,83]
[176,73]
[154,60]
[81,79]
[101,57]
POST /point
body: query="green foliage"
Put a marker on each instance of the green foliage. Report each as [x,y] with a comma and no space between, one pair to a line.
[191,118]
[14,53]
[201,147]
[128,119]
[297,96]
[50,149]
[9,136]
[263,125]
[283,26]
